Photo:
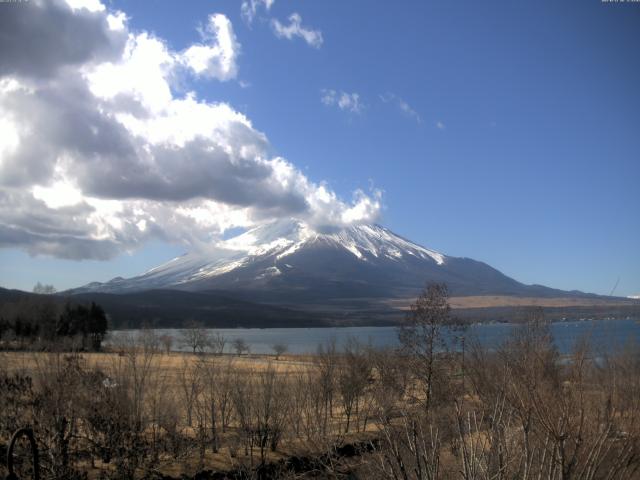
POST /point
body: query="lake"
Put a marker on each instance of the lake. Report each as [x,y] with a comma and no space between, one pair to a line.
[604,335]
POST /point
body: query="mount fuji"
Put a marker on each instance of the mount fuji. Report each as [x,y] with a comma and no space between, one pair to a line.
[289,263]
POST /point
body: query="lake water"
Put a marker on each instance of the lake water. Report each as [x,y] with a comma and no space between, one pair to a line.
[604,335]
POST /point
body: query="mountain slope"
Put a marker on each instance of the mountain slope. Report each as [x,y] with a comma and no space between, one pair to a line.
[164,309]
[289,263]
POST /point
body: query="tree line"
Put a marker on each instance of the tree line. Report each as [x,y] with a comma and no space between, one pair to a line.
[45,321]
[424,410]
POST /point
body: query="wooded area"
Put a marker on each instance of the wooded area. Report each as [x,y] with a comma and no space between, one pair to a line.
[47,322]
[417,412]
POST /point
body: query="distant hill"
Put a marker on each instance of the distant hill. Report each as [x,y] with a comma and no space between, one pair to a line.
[175,308]
[171,308]
[289,263]
[287,273]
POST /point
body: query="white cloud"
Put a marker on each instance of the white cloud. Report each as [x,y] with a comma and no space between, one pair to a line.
[9,140]
[147,65]
[349,102]
[104,153]
[363,208]
[295,29]
[59,194]
[91,5]
[400,103]
[117,21]
[249,8]
[140,74]
[440,125]
[218,58]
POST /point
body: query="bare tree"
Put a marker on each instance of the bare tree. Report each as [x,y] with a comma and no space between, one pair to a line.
[279,349]
[190,386]
[44,289]
[410,448]
[524,412]
[353,376]
[262,407]
[240,346]
[326,365]
[421,336]
[195,337]
[167,343]
[214,399]
[148,340]
[271,409]
[392,380]
[541,416]
[217,343]
[58,410]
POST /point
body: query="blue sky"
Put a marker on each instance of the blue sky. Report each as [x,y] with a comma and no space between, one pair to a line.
[508,132]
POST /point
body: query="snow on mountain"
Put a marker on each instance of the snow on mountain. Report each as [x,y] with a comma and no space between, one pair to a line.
[284,238]
[289,262]
[274,242]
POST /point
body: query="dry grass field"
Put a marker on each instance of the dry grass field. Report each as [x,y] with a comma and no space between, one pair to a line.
[169,364]
[187,389]
[488,301]
[417,413]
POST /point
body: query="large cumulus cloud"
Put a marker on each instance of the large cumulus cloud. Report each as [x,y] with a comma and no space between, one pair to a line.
[40,37]
[101,148]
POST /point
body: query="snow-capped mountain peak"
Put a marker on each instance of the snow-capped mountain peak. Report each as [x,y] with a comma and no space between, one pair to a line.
[269,249]
[378,241]
[290,263]
[286,237]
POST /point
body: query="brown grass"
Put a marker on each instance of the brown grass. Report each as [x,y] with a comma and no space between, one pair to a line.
[169,367]
[486,301]
[27,362]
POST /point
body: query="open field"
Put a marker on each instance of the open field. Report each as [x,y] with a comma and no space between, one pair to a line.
[180,395]
[364,413]
[420,411]
[168,364]
[487,301]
